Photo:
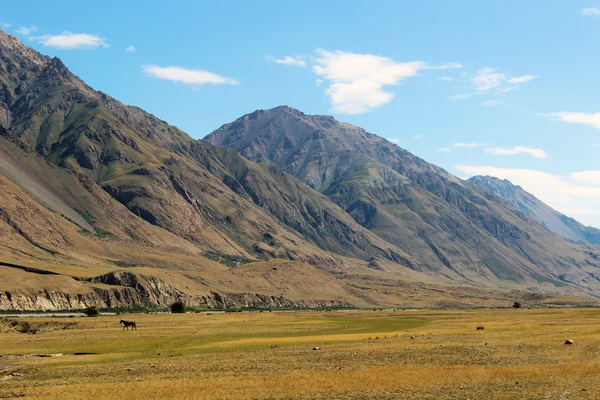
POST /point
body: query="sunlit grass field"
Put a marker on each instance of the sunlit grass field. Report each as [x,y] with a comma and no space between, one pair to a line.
[519,354]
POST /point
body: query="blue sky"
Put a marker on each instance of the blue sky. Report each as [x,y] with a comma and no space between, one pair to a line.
[504,88]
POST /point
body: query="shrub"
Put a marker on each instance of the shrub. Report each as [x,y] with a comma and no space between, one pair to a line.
[517,305]
[178,307]
[26,327]
[92,311]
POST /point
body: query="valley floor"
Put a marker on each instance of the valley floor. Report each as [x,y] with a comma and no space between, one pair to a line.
[520,353]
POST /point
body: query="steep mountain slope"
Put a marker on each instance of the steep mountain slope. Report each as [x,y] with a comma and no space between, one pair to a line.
[531,206]
[211,197]
[451,227]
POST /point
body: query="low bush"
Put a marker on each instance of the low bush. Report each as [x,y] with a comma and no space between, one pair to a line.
[178,307]
[92,311]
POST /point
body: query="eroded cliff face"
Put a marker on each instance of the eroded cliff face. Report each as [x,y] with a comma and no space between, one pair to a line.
[48,301]
[136,290]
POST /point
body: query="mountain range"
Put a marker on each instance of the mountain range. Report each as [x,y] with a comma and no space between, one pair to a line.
[531,206]
[103,203]
[449,226]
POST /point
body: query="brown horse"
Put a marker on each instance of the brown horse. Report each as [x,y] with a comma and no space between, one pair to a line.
[127,324]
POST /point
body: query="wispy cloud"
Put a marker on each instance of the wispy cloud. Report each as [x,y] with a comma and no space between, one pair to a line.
[72,41]
[468,145]
[511,151]
[26,30]
[451,65]
[487,78]
[522,79]
[194,77]
[575,194]
[131,49]
[591,11]
[5,25]
[297,61]
[445,149]
[463,96]
[394,140]
[491,81]
[445,78]
[492,103]
[590,119]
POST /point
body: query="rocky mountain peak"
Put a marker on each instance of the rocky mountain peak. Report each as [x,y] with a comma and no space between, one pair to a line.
[11,46]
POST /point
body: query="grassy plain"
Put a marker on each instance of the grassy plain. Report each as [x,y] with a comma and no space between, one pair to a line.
[363,354]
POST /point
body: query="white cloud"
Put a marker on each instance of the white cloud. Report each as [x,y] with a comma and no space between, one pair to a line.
[451,65]
[297,61]
[509,89]
[445,149]
[71,41]
[492,103]
[318,82]
[594,12]
[511,151]
[522,79]
[393,140]
[131,49]
[575,194]
[460,96]
[418,137]
[591,119]
[445,78]
[591,178]
[25,30]
[357,81]
[194,77]
[468,145]
[5,25]
[487,78]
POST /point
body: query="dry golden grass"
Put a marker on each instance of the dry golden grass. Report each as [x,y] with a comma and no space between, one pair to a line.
[364,354]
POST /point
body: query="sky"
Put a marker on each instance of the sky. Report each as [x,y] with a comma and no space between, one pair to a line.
[503,88]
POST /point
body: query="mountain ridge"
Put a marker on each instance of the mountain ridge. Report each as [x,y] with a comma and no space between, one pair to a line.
[451,226]
[92,188]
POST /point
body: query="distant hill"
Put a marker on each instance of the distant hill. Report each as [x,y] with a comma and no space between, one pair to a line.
[533,207]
